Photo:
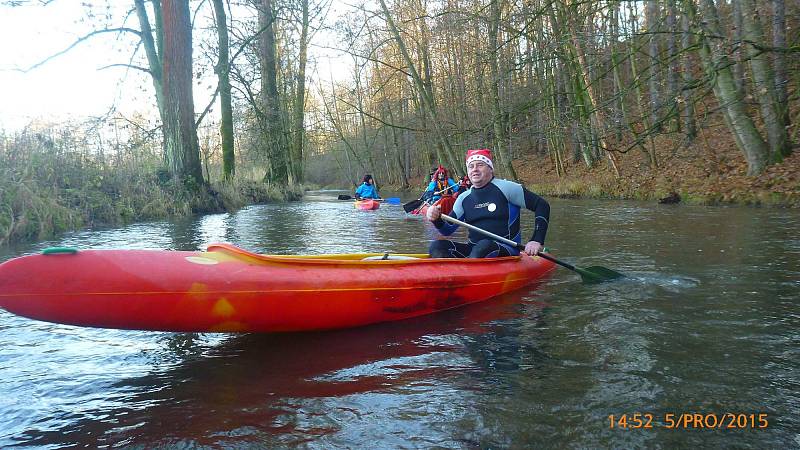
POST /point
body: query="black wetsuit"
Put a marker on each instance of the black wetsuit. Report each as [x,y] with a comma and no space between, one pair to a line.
[496,208]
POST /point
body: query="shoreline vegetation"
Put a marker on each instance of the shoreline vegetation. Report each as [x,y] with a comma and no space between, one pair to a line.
[46,188]
[50,186]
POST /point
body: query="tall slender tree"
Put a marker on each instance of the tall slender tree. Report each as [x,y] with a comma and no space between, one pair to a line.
[298,117]
[499,116]
[764,82]
[222,70]
[779,42]
[271,125]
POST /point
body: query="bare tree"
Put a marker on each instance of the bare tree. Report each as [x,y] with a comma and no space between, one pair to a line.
[718,67]
[764,82]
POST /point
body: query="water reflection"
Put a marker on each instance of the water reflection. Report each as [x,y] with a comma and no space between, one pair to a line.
[270,389]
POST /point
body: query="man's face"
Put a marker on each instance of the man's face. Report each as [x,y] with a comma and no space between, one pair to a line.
[480,174]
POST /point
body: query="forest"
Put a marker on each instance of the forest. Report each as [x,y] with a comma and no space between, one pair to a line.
[694,100]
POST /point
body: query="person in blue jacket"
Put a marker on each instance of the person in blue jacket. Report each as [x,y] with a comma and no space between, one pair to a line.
[367,189]
[441,184]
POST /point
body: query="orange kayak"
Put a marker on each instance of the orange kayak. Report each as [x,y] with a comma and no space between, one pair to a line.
[227,289]
[367,205]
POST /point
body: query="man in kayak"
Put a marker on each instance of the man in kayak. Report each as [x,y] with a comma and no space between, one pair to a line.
[493,205]
[367,189]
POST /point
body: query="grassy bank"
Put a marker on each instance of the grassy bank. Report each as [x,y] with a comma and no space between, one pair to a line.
[48,186]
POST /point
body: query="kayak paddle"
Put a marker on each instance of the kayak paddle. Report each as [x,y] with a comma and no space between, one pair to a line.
[412,205]
[593,274]
[415,204]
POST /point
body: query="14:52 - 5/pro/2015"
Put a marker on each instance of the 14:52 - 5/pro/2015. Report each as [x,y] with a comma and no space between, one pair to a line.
[688,420]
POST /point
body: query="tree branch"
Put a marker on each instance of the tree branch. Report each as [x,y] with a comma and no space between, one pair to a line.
[129,66]
[79,41]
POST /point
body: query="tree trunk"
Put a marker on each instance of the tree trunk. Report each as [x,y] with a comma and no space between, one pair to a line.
[223,74]
[689,123]
[617,89]
[296,171]
[180,136]
[646,119]
[716,63]
[652,16]
[154,51]
[672,64]
[499,123]
[763,80]
[738,29]
[779,42]
[596,115]
[271,126]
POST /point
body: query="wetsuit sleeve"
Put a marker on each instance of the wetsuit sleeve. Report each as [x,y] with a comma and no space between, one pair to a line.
[447,228]
[541,210]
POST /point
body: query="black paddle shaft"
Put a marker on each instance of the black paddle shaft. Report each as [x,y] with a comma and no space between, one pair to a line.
[415,204]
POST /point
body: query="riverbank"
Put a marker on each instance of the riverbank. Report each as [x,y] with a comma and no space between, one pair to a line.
[45,194]
[34,207]
[698,174]
[711,171]
[50,183]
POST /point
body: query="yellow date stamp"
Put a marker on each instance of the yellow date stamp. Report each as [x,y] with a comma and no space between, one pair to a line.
[689,421]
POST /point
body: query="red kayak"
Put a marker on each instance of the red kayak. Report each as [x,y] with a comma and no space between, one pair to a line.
[445,202]
[227,289]
[367,204]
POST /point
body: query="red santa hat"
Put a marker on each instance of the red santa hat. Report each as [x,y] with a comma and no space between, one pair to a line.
[439,170]
[483,155]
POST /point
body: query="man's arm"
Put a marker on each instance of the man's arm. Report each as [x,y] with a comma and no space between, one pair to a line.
[446,228]
[541,210]
[520,196]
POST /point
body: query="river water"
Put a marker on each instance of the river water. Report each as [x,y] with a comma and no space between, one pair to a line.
[707,323]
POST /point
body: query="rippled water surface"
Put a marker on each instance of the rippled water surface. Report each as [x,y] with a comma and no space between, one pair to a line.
[707,323]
